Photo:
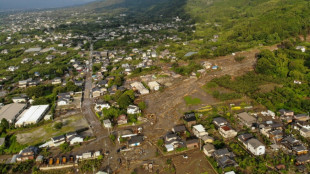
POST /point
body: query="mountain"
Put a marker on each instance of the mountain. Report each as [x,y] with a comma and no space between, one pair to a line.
[227,25]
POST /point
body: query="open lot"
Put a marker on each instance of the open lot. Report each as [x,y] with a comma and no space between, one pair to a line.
[196,163]
[42,133]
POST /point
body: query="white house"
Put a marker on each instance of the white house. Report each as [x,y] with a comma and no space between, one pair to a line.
[169,147]
[132,109]
[302,48]
[19,99]
[107,123]
[139,87]
[154,85]
[199,131]
[227,132]
[75,139]
[100,106]
[255,147]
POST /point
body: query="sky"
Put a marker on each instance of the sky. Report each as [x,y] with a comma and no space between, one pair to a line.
[34,4]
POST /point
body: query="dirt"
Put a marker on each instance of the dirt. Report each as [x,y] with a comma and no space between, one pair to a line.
[196,163]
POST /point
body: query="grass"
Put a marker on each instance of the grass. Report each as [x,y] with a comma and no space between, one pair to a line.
[192,101]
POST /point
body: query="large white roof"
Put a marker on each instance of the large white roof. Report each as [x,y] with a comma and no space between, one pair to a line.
[32,115]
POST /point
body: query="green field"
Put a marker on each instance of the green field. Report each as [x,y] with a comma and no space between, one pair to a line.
[43,133]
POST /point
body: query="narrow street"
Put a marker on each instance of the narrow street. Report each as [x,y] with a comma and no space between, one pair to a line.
[88,103]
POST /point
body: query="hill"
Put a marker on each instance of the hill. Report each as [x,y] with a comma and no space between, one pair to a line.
[241,24]
[222,26]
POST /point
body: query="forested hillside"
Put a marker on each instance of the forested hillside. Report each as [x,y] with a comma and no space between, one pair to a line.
[242,24]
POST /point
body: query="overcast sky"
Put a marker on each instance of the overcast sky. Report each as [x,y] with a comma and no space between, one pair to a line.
[30,4]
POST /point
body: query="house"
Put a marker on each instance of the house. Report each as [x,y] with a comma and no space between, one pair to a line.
[301,48]
[193,143]
[207,139]
[122,119]
[154,85]
[305,132]
[199,131]
[19,99]
[255,147]
[135,141]
[173,139]
[190,119]
[219,121]
[284,112]
[138,86]
[107,123]
[246,119]
[23,83]
[56,81]
[300,149]
[75,139]
[301,117]
[96,92]
[126,133]
[179,129]
[244,138]
[58,140]
[50,57]
[303,159]
[132,109]
[224,158]
[101,105]
[71,134]
[227,132]
[87,155]
[208,149]
[169,147]
[27,154]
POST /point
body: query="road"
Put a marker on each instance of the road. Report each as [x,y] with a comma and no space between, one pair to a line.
[88,103]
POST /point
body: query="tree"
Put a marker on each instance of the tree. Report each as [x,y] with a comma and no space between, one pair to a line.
[142,105]
[58,125]
[118,81]
[5,124]
[65,147]
[70,86]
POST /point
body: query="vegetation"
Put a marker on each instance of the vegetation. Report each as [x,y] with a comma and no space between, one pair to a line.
[283,67]
[192,101]
[65,147]
[244,24]
[90,165]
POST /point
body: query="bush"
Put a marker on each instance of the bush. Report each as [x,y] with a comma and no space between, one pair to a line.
[58,125]
[239,58]
[65,147]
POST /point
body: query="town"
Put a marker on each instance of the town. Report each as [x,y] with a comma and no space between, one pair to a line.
[85,93]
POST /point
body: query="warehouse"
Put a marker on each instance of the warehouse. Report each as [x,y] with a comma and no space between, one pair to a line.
[11,111]
[32,116]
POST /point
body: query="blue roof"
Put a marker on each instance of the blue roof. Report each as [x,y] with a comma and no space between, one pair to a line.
[190,54]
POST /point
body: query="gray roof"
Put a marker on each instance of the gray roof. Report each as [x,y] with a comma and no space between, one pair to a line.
[246,117]
[255,143]
[2,141]
[220,120]
[11,111]
[209,147]
[135,139]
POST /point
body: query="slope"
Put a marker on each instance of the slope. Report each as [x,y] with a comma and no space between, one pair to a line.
[242,24]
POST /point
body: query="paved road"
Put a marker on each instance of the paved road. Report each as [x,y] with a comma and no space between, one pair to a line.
[88,103]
